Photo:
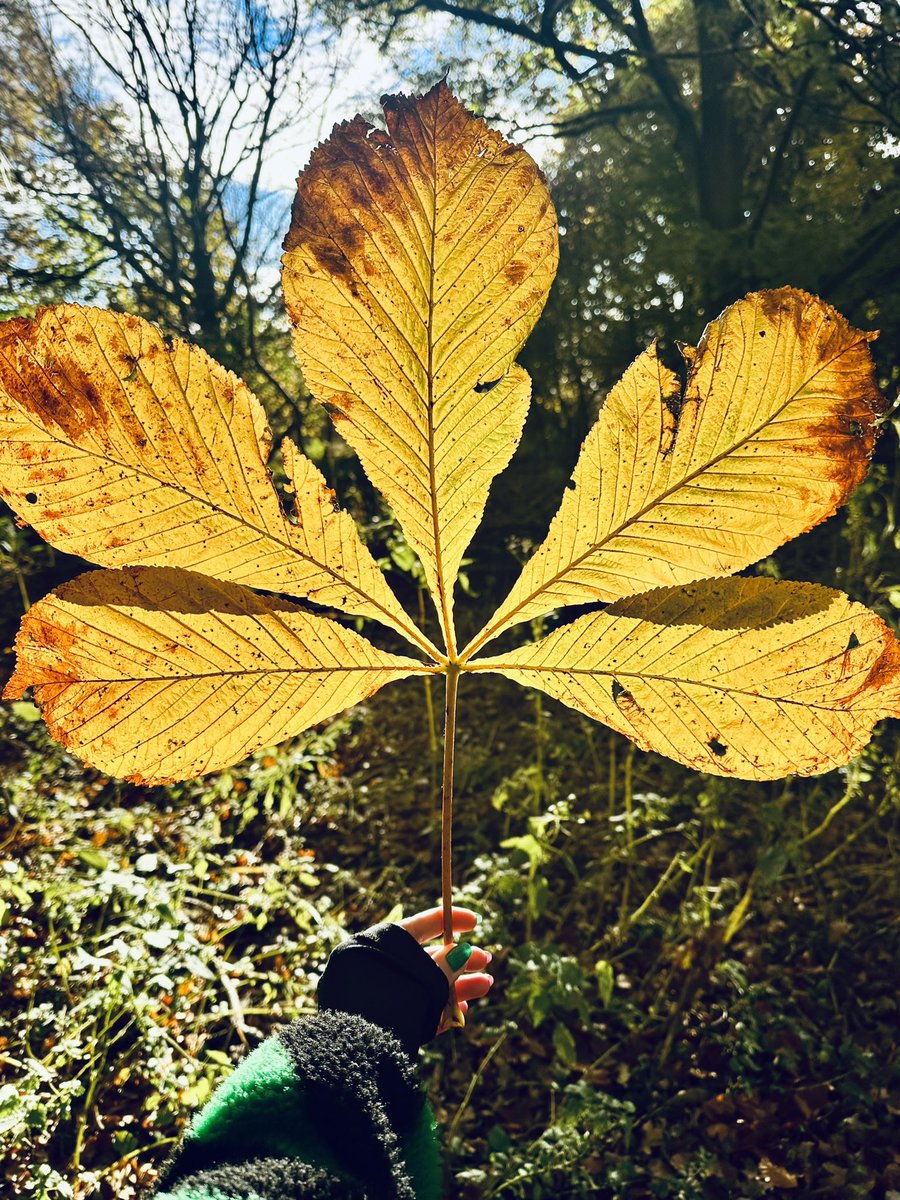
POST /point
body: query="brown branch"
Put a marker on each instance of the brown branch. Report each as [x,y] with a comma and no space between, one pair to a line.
[538,37]
[780,156]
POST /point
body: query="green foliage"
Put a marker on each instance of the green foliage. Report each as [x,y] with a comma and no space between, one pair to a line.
[562,1160]
[140,947]
[644,1058]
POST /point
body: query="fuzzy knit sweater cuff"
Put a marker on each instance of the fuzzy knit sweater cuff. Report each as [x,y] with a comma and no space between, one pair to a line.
[329,1109]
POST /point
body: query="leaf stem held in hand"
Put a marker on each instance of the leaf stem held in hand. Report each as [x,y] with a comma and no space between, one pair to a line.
[452,1016]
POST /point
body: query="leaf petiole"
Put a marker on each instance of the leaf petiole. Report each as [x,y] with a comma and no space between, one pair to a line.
[452,1018]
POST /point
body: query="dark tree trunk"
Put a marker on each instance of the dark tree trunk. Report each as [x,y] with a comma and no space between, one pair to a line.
[721,165]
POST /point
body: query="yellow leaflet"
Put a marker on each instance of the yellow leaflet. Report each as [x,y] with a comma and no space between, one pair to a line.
[774,430]
[126,447]
[156,674]
[749,677]
[417,263]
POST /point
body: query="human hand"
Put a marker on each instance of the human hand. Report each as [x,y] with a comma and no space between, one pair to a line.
[468,976]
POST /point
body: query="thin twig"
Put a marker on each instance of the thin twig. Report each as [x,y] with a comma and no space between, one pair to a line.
[236,1012]
[473,1083]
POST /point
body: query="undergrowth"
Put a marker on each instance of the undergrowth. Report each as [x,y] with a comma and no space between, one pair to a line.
[695,978]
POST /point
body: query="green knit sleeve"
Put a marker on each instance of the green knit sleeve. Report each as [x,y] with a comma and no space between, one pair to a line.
[327,1110]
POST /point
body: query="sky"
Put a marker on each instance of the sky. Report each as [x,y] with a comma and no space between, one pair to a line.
[364,74]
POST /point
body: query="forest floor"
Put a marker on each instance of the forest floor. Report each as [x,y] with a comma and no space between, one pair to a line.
[696,980]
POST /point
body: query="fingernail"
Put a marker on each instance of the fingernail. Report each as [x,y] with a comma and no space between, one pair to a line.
[476,915]
[459,956]
[490,957]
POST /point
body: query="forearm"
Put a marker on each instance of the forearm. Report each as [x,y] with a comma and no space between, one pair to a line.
[328,1108]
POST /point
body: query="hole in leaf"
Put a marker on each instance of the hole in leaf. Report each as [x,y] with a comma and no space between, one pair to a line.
[617,690]
[856,428]
[717,747]
[486,386]
[852,642]
[762,333]
[31,497]
[674,403]
[570,486]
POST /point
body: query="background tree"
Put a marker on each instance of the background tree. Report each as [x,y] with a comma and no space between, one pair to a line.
[137,137]
[138,133]
[41,259]
[734,100]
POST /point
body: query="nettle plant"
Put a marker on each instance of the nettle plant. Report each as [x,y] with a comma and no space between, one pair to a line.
[417,262]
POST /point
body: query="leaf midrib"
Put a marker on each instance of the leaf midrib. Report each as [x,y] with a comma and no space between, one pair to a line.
[643,676]
[446,620]
[412,669]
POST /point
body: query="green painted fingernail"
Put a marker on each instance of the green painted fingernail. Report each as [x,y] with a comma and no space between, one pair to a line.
[459,956]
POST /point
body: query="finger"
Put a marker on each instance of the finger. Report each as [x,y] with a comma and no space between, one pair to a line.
[473,987]
[430,924]
[469,987]
[478,959]
[457,960]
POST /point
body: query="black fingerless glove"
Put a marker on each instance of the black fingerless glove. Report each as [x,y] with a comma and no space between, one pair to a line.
[385,976]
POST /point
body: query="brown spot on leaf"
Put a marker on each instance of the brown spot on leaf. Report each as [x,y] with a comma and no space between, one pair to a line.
[778,304]
[13,331]
[331,258]
[65,402]
[379,184]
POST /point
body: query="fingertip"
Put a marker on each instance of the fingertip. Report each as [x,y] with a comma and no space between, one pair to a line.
[468,915]
[473,987]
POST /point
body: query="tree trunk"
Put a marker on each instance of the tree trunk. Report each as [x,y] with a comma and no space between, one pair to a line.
[721,164]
